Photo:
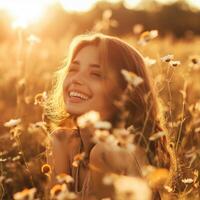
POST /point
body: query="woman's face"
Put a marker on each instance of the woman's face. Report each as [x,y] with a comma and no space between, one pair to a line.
[86,88]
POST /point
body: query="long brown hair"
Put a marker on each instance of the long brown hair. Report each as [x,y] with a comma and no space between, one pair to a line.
[143,105]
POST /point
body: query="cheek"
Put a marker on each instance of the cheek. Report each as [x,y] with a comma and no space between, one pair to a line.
[103,97]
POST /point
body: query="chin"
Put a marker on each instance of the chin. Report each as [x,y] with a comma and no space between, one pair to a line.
[76,111]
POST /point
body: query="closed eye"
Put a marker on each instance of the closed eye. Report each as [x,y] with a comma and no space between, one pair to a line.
[72,69]
[96,74]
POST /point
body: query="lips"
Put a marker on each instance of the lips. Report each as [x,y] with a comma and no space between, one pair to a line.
[76,100]
[77,96]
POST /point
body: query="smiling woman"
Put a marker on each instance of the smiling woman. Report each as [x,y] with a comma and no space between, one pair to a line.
[84,84]
[92,80]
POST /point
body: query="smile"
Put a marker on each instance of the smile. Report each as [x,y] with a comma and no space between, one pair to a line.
[77,97]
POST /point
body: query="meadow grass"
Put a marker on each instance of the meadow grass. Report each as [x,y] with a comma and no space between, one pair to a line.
[26,71]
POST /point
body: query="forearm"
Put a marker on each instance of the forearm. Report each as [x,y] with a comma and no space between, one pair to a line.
[56,158]
[101,163]
[105,159]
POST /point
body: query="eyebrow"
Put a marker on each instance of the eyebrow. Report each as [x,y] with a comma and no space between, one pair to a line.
[91,65]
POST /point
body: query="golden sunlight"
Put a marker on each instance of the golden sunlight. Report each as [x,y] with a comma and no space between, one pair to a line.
[24,12]
[131,3]
[82,5]
[195,3]
[77,5]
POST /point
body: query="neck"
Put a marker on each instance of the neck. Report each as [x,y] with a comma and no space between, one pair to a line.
[86,139]
[86,136]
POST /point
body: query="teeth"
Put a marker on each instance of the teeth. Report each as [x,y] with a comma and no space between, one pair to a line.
[77,94]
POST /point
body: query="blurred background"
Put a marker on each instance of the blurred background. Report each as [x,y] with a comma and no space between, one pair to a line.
[57,19]
[34,40]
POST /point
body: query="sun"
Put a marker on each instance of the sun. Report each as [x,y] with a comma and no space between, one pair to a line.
[85,5]
[77,5]
[24,12]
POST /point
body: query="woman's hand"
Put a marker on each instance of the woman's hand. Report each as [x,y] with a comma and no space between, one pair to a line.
[58,154]
[119,160]
[106,158]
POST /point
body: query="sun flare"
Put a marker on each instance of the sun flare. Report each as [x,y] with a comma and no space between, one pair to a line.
[24,12]
[77,5]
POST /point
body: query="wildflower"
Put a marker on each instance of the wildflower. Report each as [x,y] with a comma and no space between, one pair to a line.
[153,34]
[103,125]
[147,36]
[187,180]
[197,130]
[138,28]
[61,192]
[64,178]
[2,153]
[46,169]
[40,98]
[174,63]
[167,58]
[124,138]
[100,135]
[127,187]
[16,158]
[131,78]
[107,14]
[9,180]
[33,127]
[104,136]
[168,188]
[33,39]
[196,176]
[77,158]
[194,62]
[3,159]
[196,173]
[56,190]
[109,179]
[16,131]
[12,122]
[148,61]
[90,117]
[157,135]
[26,194]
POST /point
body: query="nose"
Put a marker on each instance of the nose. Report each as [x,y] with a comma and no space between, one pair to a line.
[78,78]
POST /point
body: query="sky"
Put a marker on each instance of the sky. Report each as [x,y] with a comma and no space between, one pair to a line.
[33,9]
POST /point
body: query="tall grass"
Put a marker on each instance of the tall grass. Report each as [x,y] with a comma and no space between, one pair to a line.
[26,71]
